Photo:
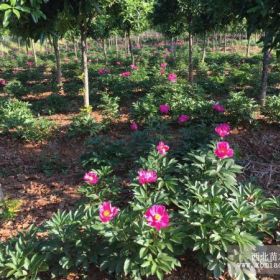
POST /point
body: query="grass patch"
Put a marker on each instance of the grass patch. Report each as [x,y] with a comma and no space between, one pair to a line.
[9,208]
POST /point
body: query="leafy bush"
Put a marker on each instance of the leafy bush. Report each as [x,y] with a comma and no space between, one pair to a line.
[14,114]
[146,110]
[84,125]
[109,106]
[51,164]
[38,130]
[208,210]
[9,208]
[17,118]
[53,104]
[21,258]
[272,108]
[15,88]
[241,108]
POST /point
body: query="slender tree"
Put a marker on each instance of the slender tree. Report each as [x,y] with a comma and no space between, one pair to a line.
[132,16]
[81,14]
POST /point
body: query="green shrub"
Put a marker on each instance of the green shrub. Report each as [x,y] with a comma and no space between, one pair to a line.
[146,110]
[52,164]
[17,118]
[21,257]
[272,108]
[109,106]
[209,212]
[15,88]
[241,108]
[38,130]
[14,114]
[84,125]
[53,104]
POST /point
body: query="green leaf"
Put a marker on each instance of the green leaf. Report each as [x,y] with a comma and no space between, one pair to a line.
[17,13]
[7,16]
[126,266]
[4,7]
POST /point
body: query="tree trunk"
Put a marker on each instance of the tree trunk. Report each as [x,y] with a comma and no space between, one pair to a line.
[58,61]
[18,41]
[130,48]
[117,46]
[75,48]
[266,58]
[175,48]
[2,49]
[213,42]
[204,48]
[216,41]
[125,44]
[104,47]
[85,64]
[248,46]
[1,195]
[225,43]
[190,76]
[34,52]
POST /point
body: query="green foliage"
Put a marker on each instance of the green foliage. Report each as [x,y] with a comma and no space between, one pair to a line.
[209,212]
[110,107]
[54,104]
[52,164]
[84,125]
[21,257]
[272,108]
[9,208]
[108,189]
[146,110]
[15,88]
[17,118]
[14,114]
[241,108]
[39,129]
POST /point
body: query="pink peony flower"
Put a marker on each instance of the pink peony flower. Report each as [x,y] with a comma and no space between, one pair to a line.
[103,71]
[162,148]
[222,129]
[183,118]
[223,150]
[157,217]
[163,65]
[134,126]
[107,212]
[162,71]
[133,67]
[2,82]
[147,176]
[29,63]
[164,108]
[125,74]
[172,77]
[118,63]
[91,178]
[218,107]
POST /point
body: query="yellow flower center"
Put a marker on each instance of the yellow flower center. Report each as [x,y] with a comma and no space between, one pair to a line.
[106,213]
[157,217]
